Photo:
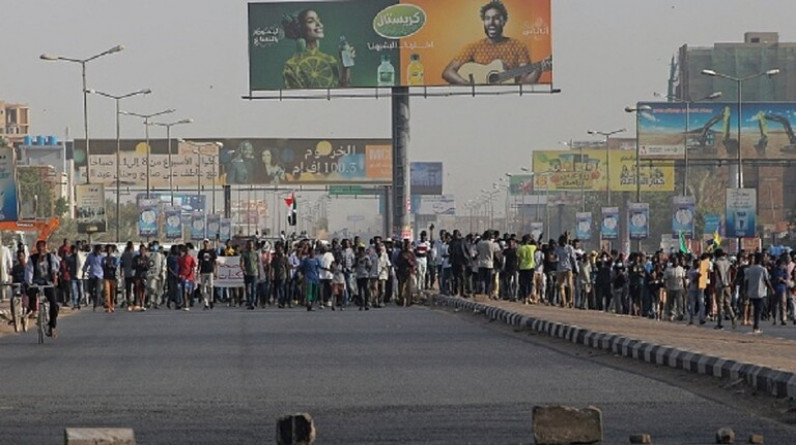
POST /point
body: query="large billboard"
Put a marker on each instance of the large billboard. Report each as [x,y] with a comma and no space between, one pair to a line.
[426,178]
[386,43]
[576,170]
[766,130]
[90,208]
[238,162]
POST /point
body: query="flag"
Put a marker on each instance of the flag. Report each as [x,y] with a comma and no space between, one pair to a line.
[683,245]
[716,239]
[291,202]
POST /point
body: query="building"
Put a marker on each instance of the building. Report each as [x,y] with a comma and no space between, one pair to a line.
[14,121]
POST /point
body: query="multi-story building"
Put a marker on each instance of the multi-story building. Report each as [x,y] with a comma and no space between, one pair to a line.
[14,122]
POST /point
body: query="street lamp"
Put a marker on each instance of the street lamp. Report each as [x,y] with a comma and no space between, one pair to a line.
[739,81]
[607,135]
[168,138]
[687,103]
[83,62]
[638,109]
[197,151]
[146,118]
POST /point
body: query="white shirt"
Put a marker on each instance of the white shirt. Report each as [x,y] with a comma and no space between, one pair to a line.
[325,273]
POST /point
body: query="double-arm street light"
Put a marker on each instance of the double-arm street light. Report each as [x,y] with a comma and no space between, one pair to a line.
[117,99]
[168,138]
[83,62]
[146,118]
[711,96]
[607,135]
[739,81]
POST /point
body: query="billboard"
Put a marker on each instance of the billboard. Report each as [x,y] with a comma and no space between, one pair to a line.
[197,226]
[426,178]
[90,208]
[9,201]
[766,130]
[609,226]
[148,210]
[520,185]
[387,43]
[434,205]
[187,203]
[250,161]
[575,170]
[639,220]
[583,226]
[683,216]
[173,217]
[741,213]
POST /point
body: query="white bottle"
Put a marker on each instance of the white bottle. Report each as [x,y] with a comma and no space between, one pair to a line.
[346,53]
[386,72]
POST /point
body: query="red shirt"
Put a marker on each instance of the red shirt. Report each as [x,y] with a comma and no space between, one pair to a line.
[187,265]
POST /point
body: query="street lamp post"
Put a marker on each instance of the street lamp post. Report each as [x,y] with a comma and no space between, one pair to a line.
[168,138]
[83,62]
[118,99]
[638,109]
[688,103]
[607,135]
[739,81]
[146,118]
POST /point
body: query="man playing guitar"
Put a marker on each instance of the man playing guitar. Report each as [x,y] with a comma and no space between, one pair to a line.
[496,58]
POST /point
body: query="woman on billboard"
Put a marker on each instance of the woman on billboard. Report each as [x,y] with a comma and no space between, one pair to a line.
[310,67]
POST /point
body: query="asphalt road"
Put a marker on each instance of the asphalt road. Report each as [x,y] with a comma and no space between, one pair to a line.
[385,376]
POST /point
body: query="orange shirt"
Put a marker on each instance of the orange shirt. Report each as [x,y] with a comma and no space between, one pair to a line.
[510,51]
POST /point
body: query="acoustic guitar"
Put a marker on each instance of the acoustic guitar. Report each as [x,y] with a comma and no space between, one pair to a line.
[496,72]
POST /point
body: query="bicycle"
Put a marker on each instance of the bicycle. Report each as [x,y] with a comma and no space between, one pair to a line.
[18,316]
[43,306]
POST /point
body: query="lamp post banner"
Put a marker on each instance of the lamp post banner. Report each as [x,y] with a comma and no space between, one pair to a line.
[583,226]
[213,226]
[90,208]
[639,220]
[148,217]
[741,213]
[609,227]
[173,222]
[198,226]
[226,229]
[683,216]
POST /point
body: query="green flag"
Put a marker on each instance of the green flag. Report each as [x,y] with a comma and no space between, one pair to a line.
[683,245]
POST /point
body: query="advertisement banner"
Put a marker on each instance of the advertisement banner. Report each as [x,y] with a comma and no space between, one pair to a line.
[537,229]
[766,130]
[434,205]
[186,202]
[639,218]
[214,226]
[173,224]
[741,213]
[426,178]
[226,229]
[229,272]
[90,208]
[583,226]
[9,208]
[239,161]
[609,227]
[148,217]
[521,185]
[712,224]
[683,216]
[575,170]
[197,226]
[387,43]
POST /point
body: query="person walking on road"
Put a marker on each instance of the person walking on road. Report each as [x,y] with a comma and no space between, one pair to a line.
[250,264]
[757,281]
[110,268]
[724,281]
[208,271]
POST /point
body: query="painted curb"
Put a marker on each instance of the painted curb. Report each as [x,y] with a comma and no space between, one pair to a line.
[769,380]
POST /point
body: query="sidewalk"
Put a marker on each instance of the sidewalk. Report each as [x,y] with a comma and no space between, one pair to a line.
[767,363]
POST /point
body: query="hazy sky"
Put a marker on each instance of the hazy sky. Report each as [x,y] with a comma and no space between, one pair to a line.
[193,55]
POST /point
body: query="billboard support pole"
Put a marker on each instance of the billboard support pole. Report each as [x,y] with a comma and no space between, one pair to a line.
[400,135]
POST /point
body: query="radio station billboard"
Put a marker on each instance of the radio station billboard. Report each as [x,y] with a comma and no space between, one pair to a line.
[387,43]
[766,130]
[239,161]
[575,170]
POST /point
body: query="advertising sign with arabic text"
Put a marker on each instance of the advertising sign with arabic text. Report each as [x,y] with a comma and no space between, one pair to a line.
[385,43]
[575,170]
[90,209]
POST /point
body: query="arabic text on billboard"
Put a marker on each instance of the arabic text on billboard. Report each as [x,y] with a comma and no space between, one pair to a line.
[385,43]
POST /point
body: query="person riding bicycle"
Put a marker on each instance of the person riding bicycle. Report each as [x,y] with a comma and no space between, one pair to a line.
[42,270]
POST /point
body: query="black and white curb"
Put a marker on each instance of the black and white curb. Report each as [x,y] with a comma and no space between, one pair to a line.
[774,382]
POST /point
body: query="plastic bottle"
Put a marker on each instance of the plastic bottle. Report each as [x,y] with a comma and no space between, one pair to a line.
[415,75]
[386,72]
[346,53]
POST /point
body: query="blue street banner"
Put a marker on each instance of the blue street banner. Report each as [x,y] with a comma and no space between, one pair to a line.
[683,212]
[197,226]
[583,226]
[741,213]
[9,207]
[226,229]
[609,226]
[213,226]
[173,222]
[148,217]
[639,220]
[712,224]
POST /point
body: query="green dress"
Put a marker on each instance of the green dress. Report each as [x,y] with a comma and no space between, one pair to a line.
[310,69]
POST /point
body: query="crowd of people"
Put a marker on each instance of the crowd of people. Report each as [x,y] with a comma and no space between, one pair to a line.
[338,274]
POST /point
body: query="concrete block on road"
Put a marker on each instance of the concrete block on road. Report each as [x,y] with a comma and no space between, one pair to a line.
[725,435]
[99,436]
[295,429]
[564,425]
[644,439]
[756,439]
